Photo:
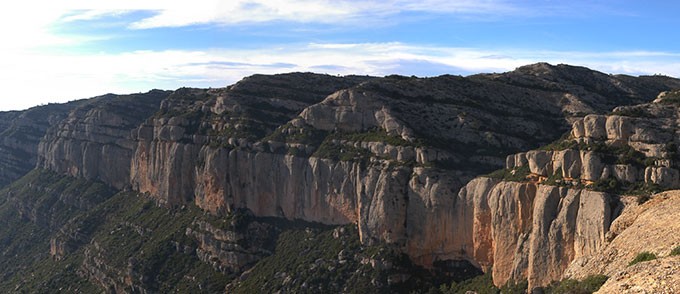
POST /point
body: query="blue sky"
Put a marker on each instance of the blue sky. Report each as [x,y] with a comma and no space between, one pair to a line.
[55,51]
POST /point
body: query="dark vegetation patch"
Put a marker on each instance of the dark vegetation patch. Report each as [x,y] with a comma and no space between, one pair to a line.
[642,257]
[675,251]
[570,286]
[519,174]
[632,111]
[671,97]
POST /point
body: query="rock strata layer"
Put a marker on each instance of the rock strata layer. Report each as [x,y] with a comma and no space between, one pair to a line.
[392,155]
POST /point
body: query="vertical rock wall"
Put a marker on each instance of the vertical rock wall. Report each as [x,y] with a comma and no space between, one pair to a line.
[535,231]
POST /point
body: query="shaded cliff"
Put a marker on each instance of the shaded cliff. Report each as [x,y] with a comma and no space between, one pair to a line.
[20,134]
[80,236]
[94,141]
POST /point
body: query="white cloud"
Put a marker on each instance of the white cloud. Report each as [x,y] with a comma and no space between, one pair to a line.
[174,13]
[34,78]
[310,11]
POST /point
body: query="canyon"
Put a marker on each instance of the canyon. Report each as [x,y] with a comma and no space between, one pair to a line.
[522,175]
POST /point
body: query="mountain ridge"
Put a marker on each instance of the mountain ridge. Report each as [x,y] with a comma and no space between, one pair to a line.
[389,155]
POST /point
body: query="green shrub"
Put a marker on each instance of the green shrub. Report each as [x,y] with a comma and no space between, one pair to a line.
[560,145]
[512,175]
[642,198]
[569,286]
[481,284]
[671,97]
[610,185]
[512,287]
[675,251]
[555,179]
[341,152]
[644,191]
[642,257]
[632,112]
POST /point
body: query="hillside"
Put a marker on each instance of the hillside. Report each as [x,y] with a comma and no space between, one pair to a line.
[376,183]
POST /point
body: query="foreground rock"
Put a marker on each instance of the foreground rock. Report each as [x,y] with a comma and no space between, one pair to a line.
[650,227]
[656,276]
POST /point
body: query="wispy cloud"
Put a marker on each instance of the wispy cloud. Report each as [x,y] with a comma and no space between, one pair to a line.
[33,77]
[197,12]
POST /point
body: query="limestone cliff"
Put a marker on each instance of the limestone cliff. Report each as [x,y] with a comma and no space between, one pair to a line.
[388,154]
[393,155]
[528,230]
[552,206]
[20,134]
[94,141]
[635,144]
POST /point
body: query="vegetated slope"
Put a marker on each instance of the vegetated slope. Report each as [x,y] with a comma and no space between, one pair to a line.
[387,154]
[87,238]
[32,209]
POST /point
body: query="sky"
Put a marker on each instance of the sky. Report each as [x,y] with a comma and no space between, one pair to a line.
[62,50]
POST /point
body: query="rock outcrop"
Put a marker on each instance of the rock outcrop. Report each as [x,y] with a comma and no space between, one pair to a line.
[630,149]
[20,134]
[566,222]
[527,230]
[94,141]
[232,250]
[392,155]
[649,227]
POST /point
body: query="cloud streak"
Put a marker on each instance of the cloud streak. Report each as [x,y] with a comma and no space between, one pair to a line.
[234,12]
[32,78]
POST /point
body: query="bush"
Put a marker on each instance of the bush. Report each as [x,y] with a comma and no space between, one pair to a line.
[560,145]
[515,287]
[610,185]
[671,97]
[555,179]
[675,251]
[644,191]
[642,257]
[588,285]
[513,175]
[481,284]
[642,198]
[632,112]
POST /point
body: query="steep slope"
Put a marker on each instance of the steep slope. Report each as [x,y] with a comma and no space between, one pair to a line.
[20,134]
[388,159]
[78,236]
[649,227]
[32,209]
[389,154]
[556,205]
[94,141]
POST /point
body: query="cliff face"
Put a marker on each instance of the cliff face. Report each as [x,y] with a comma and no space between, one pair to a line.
[388,154]
[528,230]
[20,134]
[396,156]
[556,204]
[648,227]
[94,141]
